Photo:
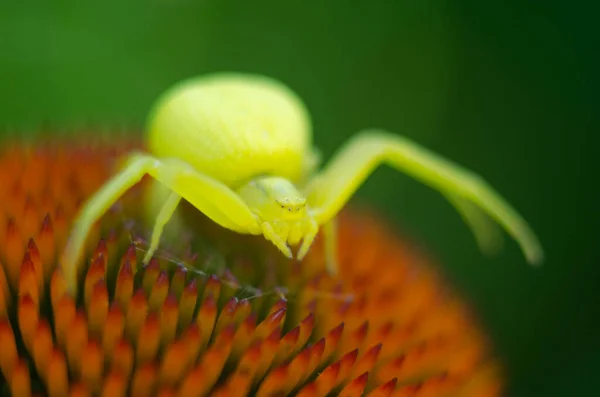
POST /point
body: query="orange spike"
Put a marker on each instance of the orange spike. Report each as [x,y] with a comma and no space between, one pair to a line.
[124,286]
[130,258]
[96,272]
[226,315]
[76,342]
[272,322]
[367,361]
[34,255]
[212,288]
[412,364]
[238,386]
[151,272]
[193,383]
[28,281]
[241,380]
[149,340]
[92,367]
[356,387]
[346,365]
[297,370]
[5,295]
[355,338]
[14,252]
[58,382]
[28,320]
[175,363]
[122,359]
[8,353]
[168,320]
[144,380]
[114,385]
[58,288]
[79,390]
[333,338]
[159,291]
[193,340]
[309,390]
[274,383]
[287,346]
[114,327]
[328,378]
[385,390]
[206,319]
[46,246]
[316,357]
[136,314]
[242,311]
[98,309]
[187,303]
[243,335]
[64,315]
[178,281]
[101,251]
[281,304]
[269,349]
[20,384]
[214,358]
[42,348]
[306,329]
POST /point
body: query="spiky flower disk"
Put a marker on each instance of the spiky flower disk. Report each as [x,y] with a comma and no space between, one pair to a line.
[215,313]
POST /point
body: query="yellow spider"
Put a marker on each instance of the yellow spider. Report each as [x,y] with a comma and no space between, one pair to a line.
[239,149]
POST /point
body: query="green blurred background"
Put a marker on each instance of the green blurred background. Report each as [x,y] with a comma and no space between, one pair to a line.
[507,88]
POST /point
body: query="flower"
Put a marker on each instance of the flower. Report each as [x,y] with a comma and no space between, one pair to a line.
[214,312]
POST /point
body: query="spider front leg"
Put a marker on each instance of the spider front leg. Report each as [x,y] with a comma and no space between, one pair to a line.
[278,236]
[165,214]
[136,166]
[213,198]
[311,229]
[329,190]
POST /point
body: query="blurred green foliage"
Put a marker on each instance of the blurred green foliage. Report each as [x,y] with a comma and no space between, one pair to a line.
[507,88]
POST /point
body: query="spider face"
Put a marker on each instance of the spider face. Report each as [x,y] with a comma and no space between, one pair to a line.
[274,199]
[282,211]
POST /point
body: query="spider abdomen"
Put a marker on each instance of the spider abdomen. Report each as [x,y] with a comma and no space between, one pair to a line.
[233,127]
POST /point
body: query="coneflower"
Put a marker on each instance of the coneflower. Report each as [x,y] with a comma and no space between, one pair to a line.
[214,313]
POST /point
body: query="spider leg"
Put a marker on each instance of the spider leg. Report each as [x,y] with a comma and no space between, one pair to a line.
[136,166]
[271,235]
[165,214]
[330,236]
[329,190]
[488,234]
[312,229]
[213,198]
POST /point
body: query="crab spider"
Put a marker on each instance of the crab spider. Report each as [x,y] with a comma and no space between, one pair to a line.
[239,149]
